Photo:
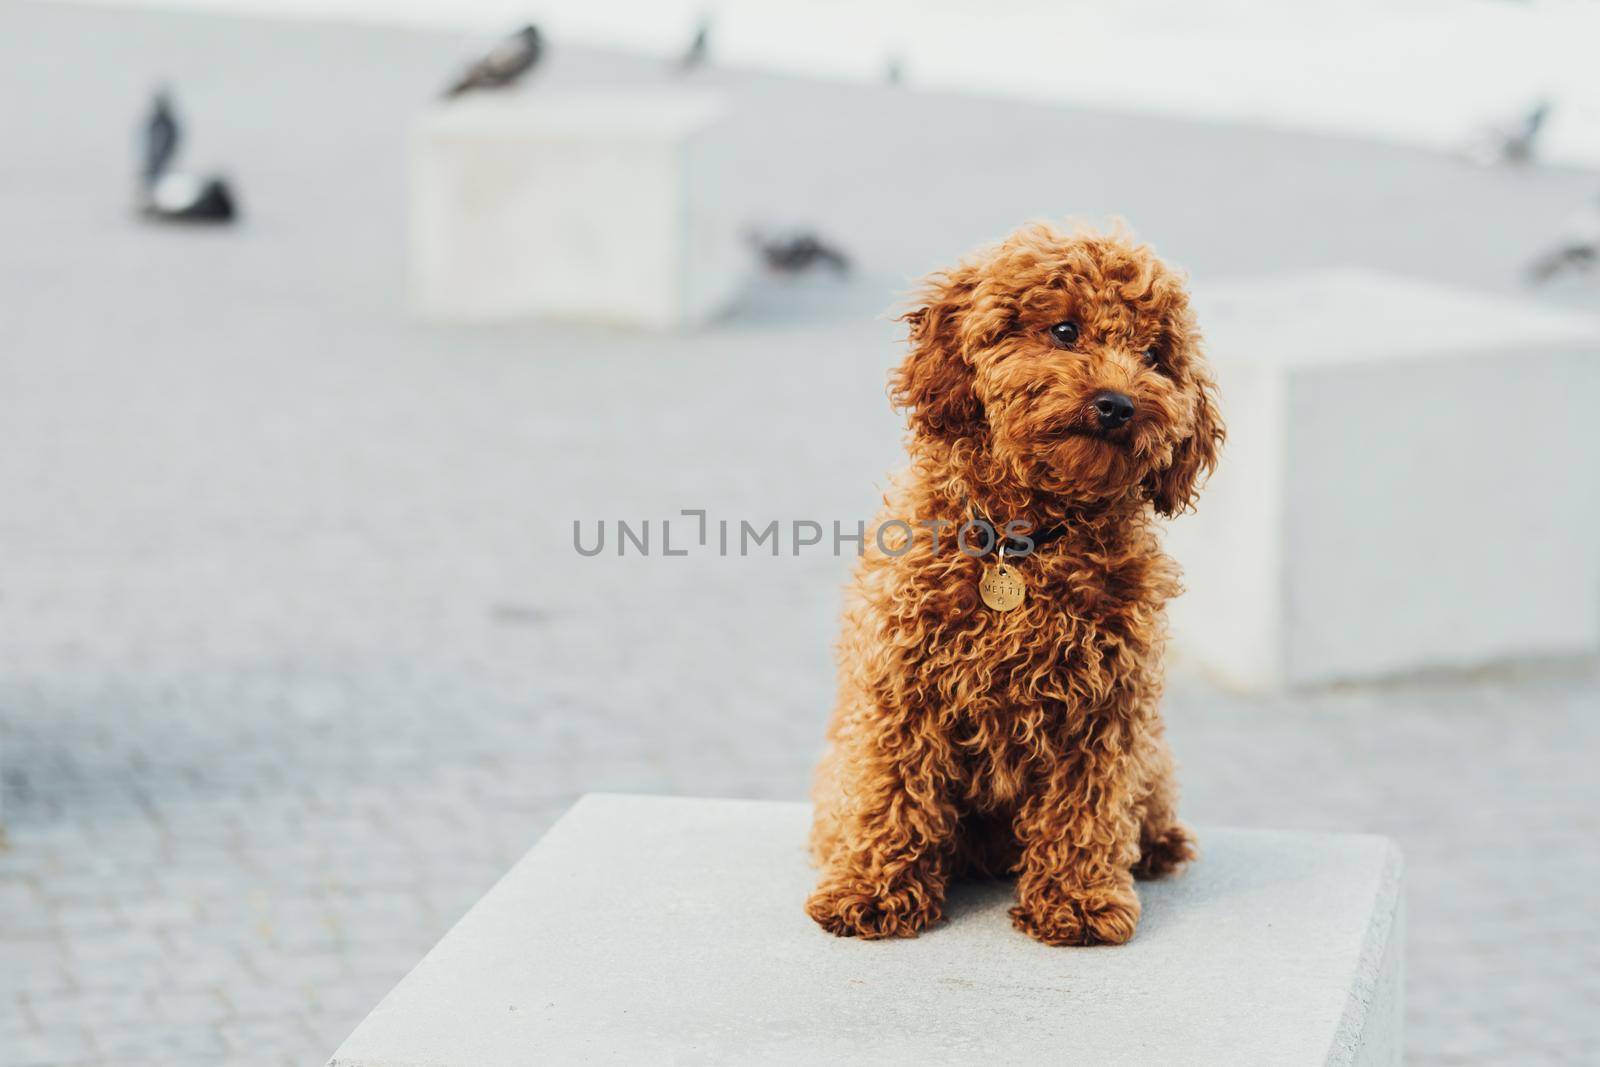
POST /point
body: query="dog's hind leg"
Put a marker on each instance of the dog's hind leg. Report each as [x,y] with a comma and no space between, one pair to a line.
[827,798]
[1165,844]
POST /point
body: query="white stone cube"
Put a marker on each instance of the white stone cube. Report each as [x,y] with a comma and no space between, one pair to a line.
[661,930]
[1410,483]
[608,206]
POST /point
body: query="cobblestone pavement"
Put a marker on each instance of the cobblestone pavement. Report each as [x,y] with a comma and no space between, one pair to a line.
[295,654]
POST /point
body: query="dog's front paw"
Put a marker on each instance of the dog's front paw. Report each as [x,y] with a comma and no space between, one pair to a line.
[1165,852]
[858,908]
[1084,916]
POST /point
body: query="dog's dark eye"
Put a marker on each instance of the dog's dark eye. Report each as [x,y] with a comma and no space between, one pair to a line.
[1064,334]
[1152,355]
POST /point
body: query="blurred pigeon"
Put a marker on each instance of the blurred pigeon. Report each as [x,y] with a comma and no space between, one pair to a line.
[699,49]
[170,195]
[505,64]
[186,198]
[161,137]
[894,69]
[796,253]
[1513,141]
[1577,250]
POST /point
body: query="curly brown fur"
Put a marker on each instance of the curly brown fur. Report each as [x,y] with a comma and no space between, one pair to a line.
[1029,742]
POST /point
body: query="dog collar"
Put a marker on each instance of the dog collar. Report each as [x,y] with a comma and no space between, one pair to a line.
[1017,548]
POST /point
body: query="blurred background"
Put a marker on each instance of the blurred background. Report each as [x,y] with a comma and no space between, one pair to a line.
[296,654]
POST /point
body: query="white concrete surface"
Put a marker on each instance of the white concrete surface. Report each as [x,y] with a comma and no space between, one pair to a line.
[660,930]
[584,204]
[1408,482]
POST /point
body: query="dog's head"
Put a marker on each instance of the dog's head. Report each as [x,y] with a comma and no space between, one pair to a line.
[1074,360]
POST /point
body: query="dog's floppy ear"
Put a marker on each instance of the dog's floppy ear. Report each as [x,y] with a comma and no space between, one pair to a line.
[1173,489]
[934,382]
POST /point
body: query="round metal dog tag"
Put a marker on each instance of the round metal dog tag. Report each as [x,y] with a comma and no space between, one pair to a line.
[1001,587]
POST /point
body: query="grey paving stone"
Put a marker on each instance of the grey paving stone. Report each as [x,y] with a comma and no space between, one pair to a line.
[98,1008]
[256,1038]
[34,965]
[53,1048]
[188,1043]
[268,1002]
[14,1019]
[17,897]
[190,1007]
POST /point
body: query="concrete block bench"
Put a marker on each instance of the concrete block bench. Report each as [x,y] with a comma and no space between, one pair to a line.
[1409,483]
[610,206]
[648,930]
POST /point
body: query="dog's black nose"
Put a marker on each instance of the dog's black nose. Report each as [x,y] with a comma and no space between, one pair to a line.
[1114,409]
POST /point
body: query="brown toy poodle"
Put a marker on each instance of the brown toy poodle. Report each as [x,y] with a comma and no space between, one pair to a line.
[998,706]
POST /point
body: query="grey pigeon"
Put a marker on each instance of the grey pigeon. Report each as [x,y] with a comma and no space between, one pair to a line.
[1513,141]
[699,49]
[172,196]
[1518,145]
[505,64]
[1577,250]
[795,253]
